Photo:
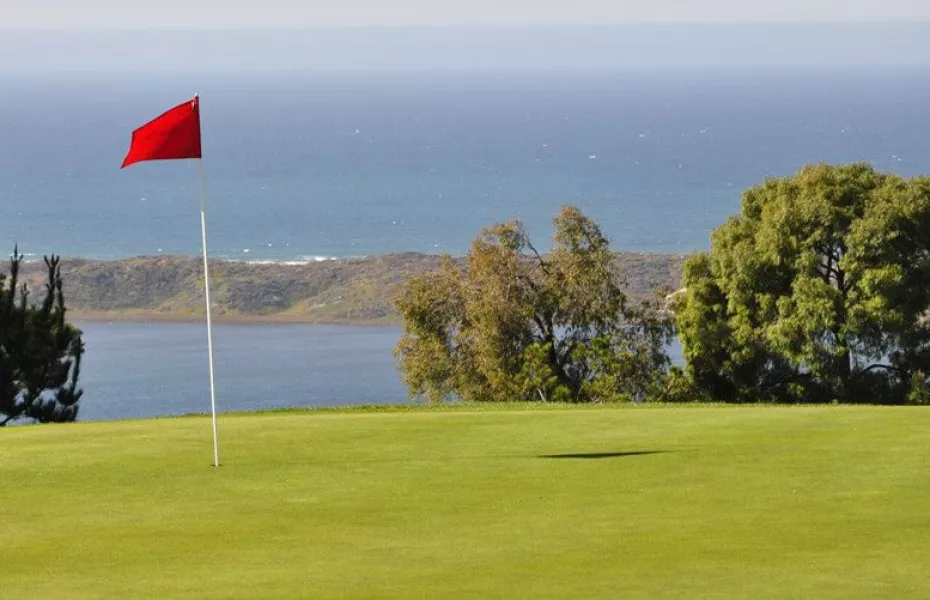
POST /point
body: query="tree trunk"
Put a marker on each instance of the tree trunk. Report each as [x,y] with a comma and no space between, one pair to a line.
[844,370]
[843,354]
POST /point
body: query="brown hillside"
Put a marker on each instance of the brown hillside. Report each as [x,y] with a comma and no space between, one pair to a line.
[342,291]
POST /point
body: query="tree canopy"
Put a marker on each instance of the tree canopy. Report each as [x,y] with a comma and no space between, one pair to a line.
[40,353]
[817,291]
[517,324]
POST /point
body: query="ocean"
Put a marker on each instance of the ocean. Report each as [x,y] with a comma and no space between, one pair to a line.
[137,370]
[306,167]
[310,167]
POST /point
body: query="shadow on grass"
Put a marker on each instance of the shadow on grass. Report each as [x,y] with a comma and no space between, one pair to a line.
[451,459]
[597,455]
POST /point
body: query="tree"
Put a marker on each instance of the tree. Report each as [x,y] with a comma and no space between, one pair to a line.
[817,291]
[40,353]
[515,324]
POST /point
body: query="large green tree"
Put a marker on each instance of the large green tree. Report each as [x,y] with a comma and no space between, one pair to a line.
[515,324]
[40,353]
[817,291]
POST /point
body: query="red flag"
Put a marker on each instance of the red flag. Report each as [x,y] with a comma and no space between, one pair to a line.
[175,134]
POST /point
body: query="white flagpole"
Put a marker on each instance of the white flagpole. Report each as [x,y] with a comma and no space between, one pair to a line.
[206,281]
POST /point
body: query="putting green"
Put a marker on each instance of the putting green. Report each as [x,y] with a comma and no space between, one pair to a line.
[794,502]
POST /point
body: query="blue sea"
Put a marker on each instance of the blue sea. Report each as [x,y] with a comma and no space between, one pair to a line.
[308,167]
[330,166]
[135,370]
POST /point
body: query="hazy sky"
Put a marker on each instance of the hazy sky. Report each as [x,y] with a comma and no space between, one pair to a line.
[245,14]
[390,35]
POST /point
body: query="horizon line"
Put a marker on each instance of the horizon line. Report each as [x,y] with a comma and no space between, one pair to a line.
[447,26]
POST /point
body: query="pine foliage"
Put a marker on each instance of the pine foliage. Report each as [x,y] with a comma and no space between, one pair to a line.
[40,353]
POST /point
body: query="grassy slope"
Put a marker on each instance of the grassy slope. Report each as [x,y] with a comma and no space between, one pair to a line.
[731,502]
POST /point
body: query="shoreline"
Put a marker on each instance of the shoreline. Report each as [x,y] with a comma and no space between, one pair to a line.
[85,316]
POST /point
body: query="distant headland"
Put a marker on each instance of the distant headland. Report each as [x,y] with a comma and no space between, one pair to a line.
[348,291]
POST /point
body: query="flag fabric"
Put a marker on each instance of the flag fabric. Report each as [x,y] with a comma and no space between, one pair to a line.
[175,134]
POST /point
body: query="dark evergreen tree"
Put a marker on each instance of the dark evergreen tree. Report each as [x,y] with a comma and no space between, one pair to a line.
[40,353]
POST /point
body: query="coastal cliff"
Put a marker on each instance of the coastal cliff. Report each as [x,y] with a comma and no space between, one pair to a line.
[361,290]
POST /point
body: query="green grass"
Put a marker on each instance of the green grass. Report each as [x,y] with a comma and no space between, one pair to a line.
[652,502]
